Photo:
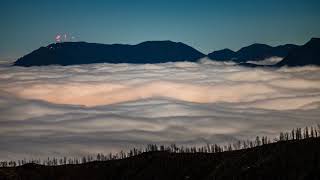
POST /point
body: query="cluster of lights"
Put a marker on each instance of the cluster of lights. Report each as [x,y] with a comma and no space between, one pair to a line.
[63,38]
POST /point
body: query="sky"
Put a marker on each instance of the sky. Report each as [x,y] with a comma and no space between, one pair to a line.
[207,25]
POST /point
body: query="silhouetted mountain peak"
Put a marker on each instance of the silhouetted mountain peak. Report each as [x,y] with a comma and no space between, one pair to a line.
[254,52]
[158,42]
[257,45]
[227,50]
[313,42]
[314,39]
[287,46]
[69,53]
[308,54]
[222,55]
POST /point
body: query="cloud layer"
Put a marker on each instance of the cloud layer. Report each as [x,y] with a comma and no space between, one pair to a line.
[76,110]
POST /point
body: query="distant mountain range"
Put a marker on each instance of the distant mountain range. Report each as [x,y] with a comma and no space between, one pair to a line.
[254,52]
[72,53]
[308,54]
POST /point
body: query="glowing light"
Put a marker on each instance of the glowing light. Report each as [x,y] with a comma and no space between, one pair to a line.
[58,38]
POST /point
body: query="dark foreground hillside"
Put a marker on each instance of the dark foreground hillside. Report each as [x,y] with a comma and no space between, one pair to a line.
[296,159]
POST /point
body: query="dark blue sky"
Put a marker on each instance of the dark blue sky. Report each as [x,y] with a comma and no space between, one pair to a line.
[204,24]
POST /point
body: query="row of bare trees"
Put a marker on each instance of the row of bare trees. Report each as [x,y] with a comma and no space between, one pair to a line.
[294,134]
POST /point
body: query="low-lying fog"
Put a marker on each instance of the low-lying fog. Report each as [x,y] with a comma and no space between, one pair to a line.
[78,110]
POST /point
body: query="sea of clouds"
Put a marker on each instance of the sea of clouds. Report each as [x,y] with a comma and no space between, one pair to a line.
[87,109]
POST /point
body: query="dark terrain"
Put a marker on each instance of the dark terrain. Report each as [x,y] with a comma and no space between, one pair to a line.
[308,54]
[72,53]
[287,160]
[254,52]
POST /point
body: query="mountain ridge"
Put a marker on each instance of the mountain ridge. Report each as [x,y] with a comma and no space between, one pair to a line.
[253,52]
[150,52]
[71,53]
[307,54]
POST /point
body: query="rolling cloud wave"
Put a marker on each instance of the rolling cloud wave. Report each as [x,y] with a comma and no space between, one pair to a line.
[76,110]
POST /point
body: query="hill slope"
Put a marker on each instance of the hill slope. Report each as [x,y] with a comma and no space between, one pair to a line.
[254,52]
[71,53]
[298,159]
[308,54]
